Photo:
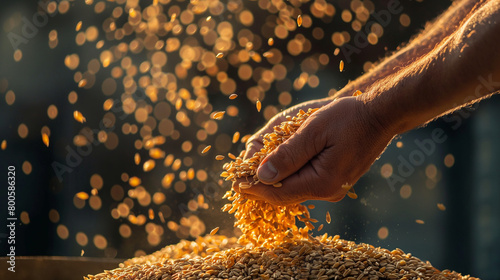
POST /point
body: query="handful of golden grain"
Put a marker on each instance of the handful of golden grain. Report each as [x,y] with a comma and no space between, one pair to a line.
[261,223]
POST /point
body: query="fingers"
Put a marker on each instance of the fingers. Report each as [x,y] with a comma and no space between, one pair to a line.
[310,182]
[293,154]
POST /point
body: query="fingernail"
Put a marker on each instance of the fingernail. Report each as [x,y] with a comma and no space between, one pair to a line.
[267,171]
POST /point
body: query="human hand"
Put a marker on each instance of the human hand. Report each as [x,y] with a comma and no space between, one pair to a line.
[335,145]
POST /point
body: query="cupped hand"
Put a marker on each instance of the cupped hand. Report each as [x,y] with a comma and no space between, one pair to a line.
[334,146]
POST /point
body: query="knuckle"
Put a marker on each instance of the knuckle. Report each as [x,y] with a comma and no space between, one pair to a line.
[286,154]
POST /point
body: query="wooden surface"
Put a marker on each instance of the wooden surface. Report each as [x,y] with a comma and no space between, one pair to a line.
[55,268]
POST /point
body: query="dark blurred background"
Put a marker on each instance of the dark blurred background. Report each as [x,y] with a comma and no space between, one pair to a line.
[460,173]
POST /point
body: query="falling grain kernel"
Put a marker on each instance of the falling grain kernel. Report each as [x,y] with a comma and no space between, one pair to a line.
[244,186]
[137,158]
[356,93]
[256,57]
[178,104]
[79,116]
[151,214]
[174,16]
[258,105]
[270,41]
[81,254]
[201,199]
[78,26]
[267,54]
[219,157]
[320,227]
[441,206]
[219,55]
[4,144]
[148,165]
[245,138]
[328,217]
[82,195]
[231,156]
[82,83]
[352,195]
[278,185]
[336,51]
[418,221]
[236,137]
[206,149]
[208,18]
[162,219]
[45,139]
[346,186]
[214,231]
[94,191]
[134,181]
[106,62]
[341,66]
[217,115]
[299,20]
[132,13]
[233,96]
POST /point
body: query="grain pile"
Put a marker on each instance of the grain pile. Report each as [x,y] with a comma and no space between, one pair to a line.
[323,257]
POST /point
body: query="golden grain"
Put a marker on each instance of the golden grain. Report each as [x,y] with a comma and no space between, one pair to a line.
[45,139]
[352,195]
[78,26]
[214,231]
[323,257]
[82,195]
[256,218]
[132,13]
[258,105]
[82,83]
[148,165]
[346,186]
[134,181]
[236,137]
[79,117]
[217,115]
[357,92]
[206,149]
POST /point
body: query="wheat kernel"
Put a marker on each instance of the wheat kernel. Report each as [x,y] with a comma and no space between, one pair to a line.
[206,149]
[214,231]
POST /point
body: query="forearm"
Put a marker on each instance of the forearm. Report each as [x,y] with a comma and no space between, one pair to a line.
[427,40]
[450,76]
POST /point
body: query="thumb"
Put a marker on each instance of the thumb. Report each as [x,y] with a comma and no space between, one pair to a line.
[291,155]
